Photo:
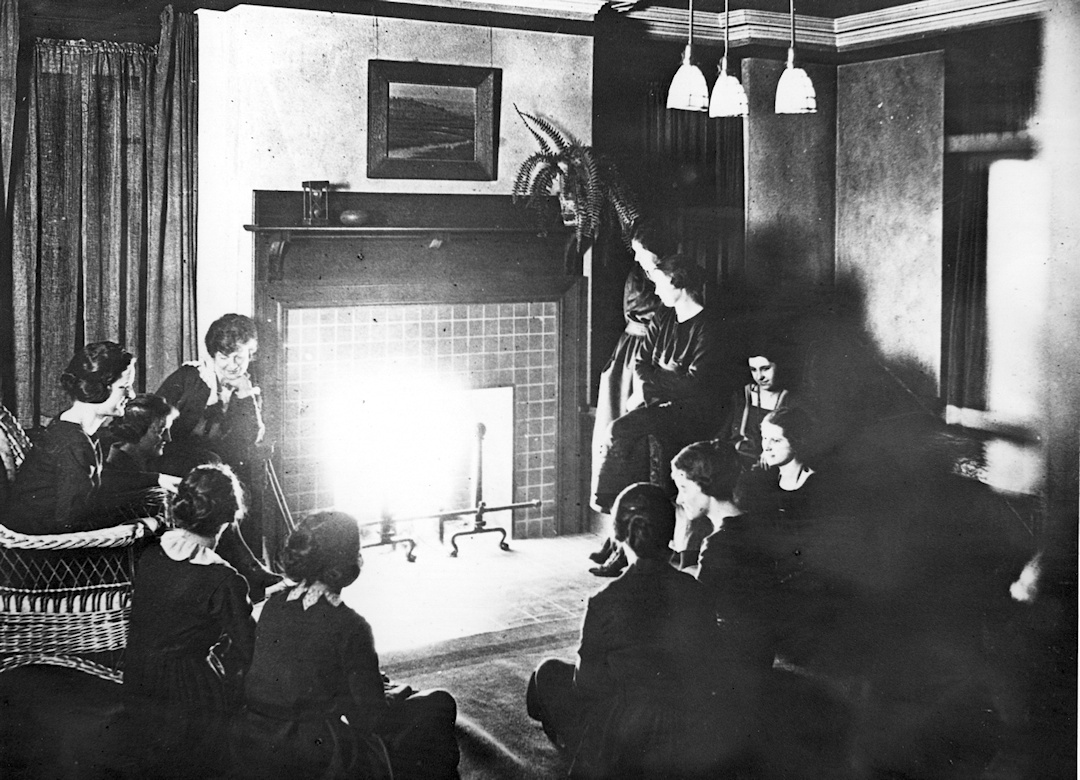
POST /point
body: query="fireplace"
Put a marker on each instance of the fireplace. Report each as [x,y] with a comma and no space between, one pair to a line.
[373,338]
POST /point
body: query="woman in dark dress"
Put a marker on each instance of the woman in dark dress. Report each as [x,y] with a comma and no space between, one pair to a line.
[315,702]
[683,370]
[220,413]
[619,390]
[768,390]
[56,486]
[191,636]
[646,698]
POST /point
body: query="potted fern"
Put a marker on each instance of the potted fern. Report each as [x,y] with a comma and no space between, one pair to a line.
[592,193]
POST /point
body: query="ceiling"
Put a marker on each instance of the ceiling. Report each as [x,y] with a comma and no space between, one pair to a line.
[137,20]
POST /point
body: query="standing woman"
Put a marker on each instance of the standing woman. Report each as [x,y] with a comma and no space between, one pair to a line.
[56,485]
[192,634]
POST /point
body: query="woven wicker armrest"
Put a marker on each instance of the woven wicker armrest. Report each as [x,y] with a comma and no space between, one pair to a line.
[114,536]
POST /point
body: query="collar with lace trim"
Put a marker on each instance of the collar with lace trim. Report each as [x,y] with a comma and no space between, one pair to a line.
[311,593]
[181,545]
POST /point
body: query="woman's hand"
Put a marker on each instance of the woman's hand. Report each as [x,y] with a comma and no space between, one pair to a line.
[242,386]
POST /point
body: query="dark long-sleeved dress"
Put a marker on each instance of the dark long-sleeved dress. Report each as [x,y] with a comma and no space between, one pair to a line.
[178,691]
[646,698]
[206,427]
[55,486]
[313,665]
[684,371]
[619,389]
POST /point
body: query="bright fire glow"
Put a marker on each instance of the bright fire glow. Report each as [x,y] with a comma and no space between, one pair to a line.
[403,445]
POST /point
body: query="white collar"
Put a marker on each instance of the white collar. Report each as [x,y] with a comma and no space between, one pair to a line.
[311,593]
[181,545]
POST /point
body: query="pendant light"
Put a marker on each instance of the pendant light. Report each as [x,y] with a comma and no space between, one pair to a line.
[688,91]
[795,92]
[728,95]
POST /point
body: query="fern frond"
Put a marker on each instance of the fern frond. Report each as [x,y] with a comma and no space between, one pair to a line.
[549,145]
[524,182]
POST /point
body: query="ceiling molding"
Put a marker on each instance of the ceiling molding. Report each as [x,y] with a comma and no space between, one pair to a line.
[847,33]
[574,10]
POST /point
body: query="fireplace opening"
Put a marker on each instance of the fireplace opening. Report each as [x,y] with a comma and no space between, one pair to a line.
[381,403]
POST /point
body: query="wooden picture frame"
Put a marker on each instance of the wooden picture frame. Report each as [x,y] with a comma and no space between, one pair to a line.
[430,121]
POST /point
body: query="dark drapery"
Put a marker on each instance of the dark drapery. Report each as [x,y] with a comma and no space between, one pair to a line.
[9,58]
[104,213]
[964,350]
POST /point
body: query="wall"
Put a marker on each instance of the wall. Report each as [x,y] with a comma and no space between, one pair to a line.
[890,143]
[283,99]
[790,170]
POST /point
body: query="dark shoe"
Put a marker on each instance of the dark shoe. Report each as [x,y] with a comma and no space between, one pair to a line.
[601,555]
[613,568]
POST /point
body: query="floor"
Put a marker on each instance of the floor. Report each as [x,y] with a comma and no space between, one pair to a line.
[54,721]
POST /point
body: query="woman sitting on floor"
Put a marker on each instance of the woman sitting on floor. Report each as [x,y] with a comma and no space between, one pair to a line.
[315,702]
[704,473]
[645,699]
[767,391]
[191,636]
[56,486]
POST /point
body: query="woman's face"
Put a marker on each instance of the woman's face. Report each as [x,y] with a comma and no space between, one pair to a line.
[230,367]
[154,440]
[646,259]
[763,372]
[776,450]
[120,392]
[668,293]
[691,498]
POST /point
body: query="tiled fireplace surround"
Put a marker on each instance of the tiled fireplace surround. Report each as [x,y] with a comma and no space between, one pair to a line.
[457,287]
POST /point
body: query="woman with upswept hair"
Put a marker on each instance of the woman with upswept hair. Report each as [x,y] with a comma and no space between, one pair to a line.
[56,486]
[191,636]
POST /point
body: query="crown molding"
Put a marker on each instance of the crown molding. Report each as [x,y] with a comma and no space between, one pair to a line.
[573,10]
[847,33]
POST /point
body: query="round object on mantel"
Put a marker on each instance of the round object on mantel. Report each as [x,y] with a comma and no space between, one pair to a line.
[353,217]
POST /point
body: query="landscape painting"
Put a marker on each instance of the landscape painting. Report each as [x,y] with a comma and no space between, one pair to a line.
[428,121]
[431,122]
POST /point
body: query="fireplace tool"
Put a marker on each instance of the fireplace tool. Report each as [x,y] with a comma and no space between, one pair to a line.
[388,523]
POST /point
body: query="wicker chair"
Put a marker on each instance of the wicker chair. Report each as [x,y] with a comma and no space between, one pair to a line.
[65,599]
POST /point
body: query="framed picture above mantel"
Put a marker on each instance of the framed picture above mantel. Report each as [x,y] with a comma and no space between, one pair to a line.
[428,121]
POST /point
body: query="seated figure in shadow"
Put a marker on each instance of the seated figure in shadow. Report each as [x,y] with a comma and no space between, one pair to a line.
[684,369]
[130,484]
[704,473]
[647,697]
[315,701]
[768,390]
[191,637]
[57,486]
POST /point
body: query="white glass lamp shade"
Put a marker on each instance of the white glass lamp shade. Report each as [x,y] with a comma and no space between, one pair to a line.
[728,95]
[688,91]
[795,92]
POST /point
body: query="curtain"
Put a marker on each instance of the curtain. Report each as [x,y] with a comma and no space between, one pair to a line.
[104,214]
[9,58]
[964,350]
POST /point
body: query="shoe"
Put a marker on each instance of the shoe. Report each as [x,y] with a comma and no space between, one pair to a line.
[601,555]
[613,568]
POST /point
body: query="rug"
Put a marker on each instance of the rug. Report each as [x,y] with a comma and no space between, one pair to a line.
[488,674]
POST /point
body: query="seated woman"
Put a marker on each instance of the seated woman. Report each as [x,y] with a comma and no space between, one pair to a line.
[646,698]
[767,391]
[56,486]
[315,702]
[683,370]
[191,635]
[220,416]
[128,481]
[780,480]
[704,473]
